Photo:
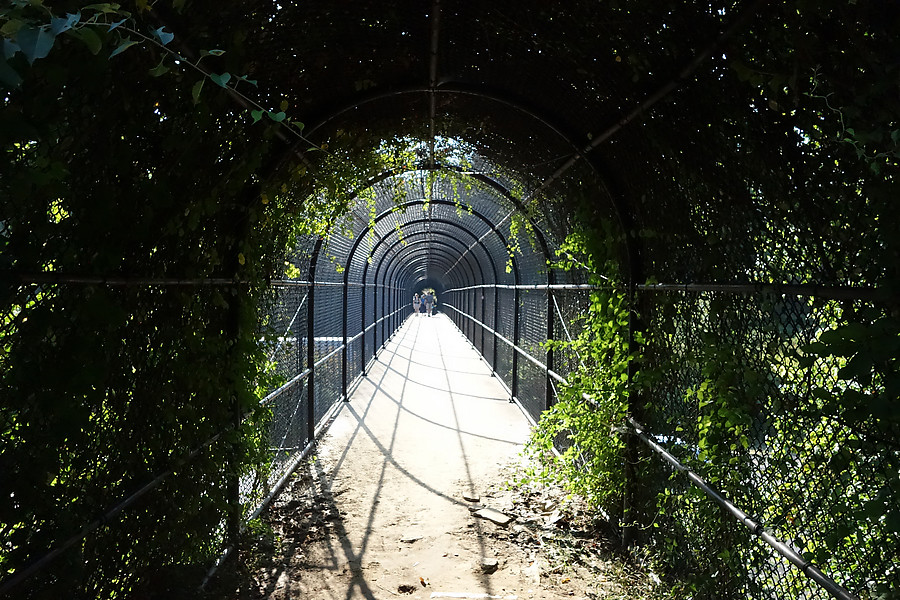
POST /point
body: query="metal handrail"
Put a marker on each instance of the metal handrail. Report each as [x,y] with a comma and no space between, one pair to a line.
[305,374]
[756,528]
[531,286]
[305,283]
[832,292]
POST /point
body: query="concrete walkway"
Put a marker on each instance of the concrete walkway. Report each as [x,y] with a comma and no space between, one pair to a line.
[427,426]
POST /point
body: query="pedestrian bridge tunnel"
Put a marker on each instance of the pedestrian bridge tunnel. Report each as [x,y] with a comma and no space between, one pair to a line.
[455,233]
[213,217]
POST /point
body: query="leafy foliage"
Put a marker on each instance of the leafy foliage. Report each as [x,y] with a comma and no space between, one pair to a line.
[585,422]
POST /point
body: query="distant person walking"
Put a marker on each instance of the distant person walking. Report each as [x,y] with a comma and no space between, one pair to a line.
[417,302]
[429,302]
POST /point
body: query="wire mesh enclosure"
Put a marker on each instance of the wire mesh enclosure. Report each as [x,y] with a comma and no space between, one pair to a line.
[677,224]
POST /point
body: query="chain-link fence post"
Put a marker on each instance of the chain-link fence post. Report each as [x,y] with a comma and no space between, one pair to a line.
[515,350]
[311,346]
[496,328]
[551,279]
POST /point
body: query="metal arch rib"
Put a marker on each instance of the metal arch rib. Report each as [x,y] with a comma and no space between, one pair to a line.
[450,223]
[623,216]
[411,203]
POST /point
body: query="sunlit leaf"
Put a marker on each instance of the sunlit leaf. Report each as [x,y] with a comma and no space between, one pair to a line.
[12,27]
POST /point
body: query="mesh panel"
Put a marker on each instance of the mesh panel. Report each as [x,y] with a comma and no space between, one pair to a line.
[817,474]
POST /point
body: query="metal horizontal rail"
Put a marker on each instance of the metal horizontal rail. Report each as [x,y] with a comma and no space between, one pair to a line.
[814,290]
[304,283]
[293,464]
[536,286]
[506,341]
[755,527]
[553,374]
[285,387]
[305,374]
[51,278]
[20,576]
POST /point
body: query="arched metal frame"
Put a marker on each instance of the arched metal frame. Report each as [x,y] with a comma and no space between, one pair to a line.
[494,272]
[405,206]
[517,280]
[502,191]
[575,141]
[448,223]
[429,243]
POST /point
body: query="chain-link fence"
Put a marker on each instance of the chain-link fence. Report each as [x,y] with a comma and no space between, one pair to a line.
[778,401]
[781,401]
[111,480]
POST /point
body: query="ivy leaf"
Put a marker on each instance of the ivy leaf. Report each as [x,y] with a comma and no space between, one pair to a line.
[61,24]
[160,69]
[806,361]
[164,37]
[221,80]
[104,7]
[116,24]
[35,42]
[125,45]
[9,49]
[90,39]
[257,115]
[277,117]
[892,521]
[298,125]
[12,27]
[195,91]
[216,52]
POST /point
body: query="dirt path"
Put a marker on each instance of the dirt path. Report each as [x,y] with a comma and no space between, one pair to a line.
[389,506]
